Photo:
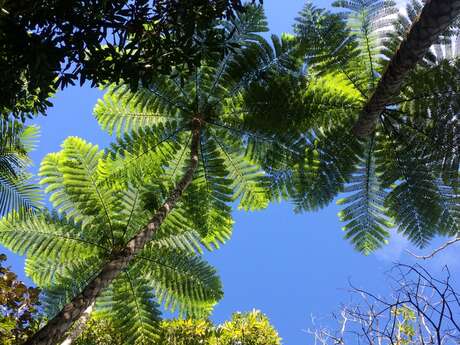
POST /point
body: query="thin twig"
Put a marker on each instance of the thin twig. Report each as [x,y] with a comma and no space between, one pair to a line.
[436,251]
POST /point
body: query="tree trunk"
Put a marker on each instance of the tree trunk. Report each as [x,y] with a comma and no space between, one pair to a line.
[79,326]
[435,17]
[55,329]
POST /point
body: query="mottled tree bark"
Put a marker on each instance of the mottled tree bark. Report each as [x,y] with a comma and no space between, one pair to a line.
[56,328]
[435,17]
[79,326]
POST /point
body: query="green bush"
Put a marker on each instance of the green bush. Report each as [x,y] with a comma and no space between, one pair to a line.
[252,328]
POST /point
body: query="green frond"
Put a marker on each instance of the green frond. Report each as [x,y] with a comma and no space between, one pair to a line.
[71,177]
[255,62]
[368,22]
[209,218]
[249,184]
[48,273]
[414,200]
[18,194]
[179,237]
[327,43]
[194,232]
[429,110]
[328,163]
[121,111]
[29,137]
[129,303]
[449,221]
[46,236]
[139,156]
[68,281]
[444,48]
[181,281]
[330,100]
[366,217]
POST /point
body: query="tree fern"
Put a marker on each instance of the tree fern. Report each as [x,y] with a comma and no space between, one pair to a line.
[415,168]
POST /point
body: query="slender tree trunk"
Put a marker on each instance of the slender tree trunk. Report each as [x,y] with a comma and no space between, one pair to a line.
[55,329]
[79,326]
[435,17]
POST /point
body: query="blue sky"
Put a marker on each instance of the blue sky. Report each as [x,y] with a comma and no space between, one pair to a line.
[290,266]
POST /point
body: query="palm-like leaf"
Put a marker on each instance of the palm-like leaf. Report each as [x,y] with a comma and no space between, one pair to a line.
[17,193]
[366,216]
[130,303]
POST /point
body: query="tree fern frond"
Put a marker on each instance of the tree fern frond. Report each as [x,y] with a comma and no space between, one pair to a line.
[449,221]
[207,216]
[430,111]
[368,21]
[129,302]
[68,282]
[71,177]
[327,43]
[253,64]
[46,236]
[181,281]
[47,273]
[443,47]
[330,159]
[414,201]
[366,218]
[121,110]
[18,194]
[140,155]
[249,183]
[243,32]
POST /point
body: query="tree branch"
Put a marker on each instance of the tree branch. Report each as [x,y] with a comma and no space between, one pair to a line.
[436,251]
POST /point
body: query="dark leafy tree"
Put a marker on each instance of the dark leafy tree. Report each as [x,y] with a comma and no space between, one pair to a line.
[19,308]
[49,44]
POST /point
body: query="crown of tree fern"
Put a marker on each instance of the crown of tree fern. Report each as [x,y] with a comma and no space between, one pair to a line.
[96,218]
[411,173]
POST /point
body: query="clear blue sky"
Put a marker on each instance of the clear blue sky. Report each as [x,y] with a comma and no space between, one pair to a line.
[289,266]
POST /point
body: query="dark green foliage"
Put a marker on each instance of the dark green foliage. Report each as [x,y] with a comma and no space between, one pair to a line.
[16,191]
[366,216]
[48,44]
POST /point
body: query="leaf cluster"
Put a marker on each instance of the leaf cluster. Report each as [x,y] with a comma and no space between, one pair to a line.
[251,328]
[17,193]
[19,307]
[50,44]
